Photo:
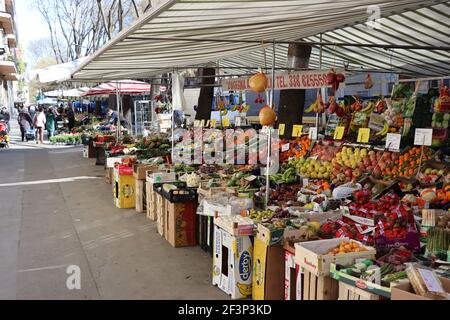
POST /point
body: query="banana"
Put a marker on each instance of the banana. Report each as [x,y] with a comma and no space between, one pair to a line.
[369,109]
[384,131]
[245,289]
[312,108]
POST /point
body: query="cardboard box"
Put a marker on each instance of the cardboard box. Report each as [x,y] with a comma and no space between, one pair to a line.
[124,188]
[349,292]
[268,262]
[366,286]
[206,233]
[181,224]
[141,201]
[160,177]
[235,225]
[109,175]
[111,161]
[314,257]
[140,170]
[405,291]
[232,263]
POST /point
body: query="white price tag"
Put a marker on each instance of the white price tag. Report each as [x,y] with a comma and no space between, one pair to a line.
[313,133]
[423,137]
[305,182]
[251,178]
[285,147]
[393,141]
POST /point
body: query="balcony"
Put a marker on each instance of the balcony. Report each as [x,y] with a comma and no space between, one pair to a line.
[9,6]
[11,76]
[12,41]
[7,22]
[7,68]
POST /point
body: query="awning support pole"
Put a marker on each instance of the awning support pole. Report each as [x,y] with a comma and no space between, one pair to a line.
[269,131]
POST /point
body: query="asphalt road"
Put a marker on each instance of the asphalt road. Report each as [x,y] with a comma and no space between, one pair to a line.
[50,221]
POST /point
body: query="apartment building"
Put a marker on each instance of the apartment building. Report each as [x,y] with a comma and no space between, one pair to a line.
[8,44]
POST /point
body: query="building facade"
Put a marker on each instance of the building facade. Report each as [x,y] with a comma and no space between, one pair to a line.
[8,58]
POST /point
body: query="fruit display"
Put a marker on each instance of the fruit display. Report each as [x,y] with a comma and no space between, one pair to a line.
[298,148]
[350,163]
[285,194]
[430,175]
[404,165]
[325,150]
[347,247]
[314,169]
[318,106]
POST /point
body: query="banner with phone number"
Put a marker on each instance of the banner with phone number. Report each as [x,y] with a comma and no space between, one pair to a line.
[289,80]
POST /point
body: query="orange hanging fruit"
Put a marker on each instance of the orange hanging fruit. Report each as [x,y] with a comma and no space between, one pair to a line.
[258,82]
[267,116]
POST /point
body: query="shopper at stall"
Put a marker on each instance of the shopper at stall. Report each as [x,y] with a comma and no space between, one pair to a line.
[4,115]
[70,114]
[50,125]
[39,123]
[113,118]
[25,122]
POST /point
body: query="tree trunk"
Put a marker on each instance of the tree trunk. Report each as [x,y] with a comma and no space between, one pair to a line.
[292,102]
[205,100]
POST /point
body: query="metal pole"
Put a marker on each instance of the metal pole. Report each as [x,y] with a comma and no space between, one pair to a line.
[118,112]
[320,68]
[173,120]
[269,131]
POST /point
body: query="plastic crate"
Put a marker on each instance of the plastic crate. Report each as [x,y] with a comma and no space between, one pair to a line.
[182,194]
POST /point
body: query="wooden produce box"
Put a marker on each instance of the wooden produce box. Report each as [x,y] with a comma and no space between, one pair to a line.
[314,287]
[140,170]
[151,201]
[141,199]
[313,255]
[160,214]
[348,292]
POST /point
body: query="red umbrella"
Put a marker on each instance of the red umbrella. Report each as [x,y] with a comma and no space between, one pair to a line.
[123,86]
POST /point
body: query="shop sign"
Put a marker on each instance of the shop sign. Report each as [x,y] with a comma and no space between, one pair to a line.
[289,80]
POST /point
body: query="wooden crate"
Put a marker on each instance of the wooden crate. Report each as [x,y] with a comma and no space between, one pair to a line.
[160,214]
[318,287]
[209,192]
[348,292]
[151,201]
[141,201]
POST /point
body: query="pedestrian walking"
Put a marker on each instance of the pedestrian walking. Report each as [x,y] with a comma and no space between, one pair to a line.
[25,122]
[50,125]
[39,123]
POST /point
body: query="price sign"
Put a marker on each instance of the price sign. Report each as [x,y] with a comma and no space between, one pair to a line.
[393,141]
[297,130]
[313,133]
[339,133]
[208,123]
[202,123]
[281,128]
[213,123]
[363,135]
[285,147]
[226,122]
[238,121]
[423,137]
[196,123]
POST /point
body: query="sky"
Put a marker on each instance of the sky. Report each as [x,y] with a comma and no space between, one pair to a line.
[30,23]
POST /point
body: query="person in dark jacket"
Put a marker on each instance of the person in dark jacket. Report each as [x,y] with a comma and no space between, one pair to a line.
[25,122]
[70,114]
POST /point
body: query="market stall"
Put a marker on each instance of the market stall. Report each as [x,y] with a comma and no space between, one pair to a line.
[359,208]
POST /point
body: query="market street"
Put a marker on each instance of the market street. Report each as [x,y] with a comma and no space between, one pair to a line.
[48,222]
